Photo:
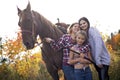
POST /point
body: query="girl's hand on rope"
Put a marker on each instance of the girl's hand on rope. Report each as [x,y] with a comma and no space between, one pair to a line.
[82,55]
[80,60]
[48,40]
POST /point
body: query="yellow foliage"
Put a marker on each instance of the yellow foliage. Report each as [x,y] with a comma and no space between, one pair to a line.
[13,47]
[28,66]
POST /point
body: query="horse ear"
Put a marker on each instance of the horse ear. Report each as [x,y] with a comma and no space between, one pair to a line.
[19,10]
[28,7]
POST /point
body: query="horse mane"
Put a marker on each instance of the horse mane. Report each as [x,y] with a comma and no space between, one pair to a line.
[49,29]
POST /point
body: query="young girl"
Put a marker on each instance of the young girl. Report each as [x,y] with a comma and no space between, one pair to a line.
[81,65]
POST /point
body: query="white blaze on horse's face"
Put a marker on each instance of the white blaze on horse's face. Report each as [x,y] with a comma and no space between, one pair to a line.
[20,20]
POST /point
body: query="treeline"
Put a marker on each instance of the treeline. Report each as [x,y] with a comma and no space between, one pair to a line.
[114,40]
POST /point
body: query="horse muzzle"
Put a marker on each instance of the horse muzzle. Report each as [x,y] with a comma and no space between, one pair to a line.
[29,45]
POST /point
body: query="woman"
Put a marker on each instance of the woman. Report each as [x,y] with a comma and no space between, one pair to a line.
[65,43]
[99,51]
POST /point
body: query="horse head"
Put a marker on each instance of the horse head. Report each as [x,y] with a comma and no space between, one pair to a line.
[26,24]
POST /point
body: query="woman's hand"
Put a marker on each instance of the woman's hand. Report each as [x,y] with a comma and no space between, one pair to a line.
[100,66]
[48,40]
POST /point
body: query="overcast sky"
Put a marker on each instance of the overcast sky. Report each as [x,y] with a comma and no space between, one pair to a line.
[105,14]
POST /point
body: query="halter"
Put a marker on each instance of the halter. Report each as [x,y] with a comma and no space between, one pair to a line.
[31,32]
[33,29]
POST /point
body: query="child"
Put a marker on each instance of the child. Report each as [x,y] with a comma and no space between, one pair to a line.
[81,65]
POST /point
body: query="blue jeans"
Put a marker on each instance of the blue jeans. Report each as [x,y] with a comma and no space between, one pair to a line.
[103,72]
[68,72]
[81,74]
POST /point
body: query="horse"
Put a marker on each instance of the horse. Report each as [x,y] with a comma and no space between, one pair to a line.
[33,24]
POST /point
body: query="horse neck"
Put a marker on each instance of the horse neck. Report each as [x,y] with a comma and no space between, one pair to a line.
[45,28]
[51,32]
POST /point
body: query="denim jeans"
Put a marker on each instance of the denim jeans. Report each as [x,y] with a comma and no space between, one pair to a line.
[68,72]
[83,74]
[103,72]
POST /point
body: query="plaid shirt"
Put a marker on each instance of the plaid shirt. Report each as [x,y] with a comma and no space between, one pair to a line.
[82,49]
[64,43]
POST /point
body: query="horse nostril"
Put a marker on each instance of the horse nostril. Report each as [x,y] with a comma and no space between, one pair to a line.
[27,44]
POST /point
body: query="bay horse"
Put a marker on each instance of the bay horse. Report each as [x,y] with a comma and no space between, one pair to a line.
[33,24]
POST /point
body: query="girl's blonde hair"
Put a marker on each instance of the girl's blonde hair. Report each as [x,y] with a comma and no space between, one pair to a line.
[69,29]
[82,32]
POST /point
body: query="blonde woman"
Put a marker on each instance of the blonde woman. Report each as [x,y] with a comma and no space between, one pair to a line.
[64,43]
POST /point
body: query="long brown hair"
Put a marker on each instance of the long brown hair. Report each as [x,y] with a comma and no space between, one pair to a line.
[85,19]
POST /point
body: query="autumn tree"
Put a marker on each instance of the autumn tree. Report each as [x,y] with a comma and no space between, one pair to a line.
[115,41]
